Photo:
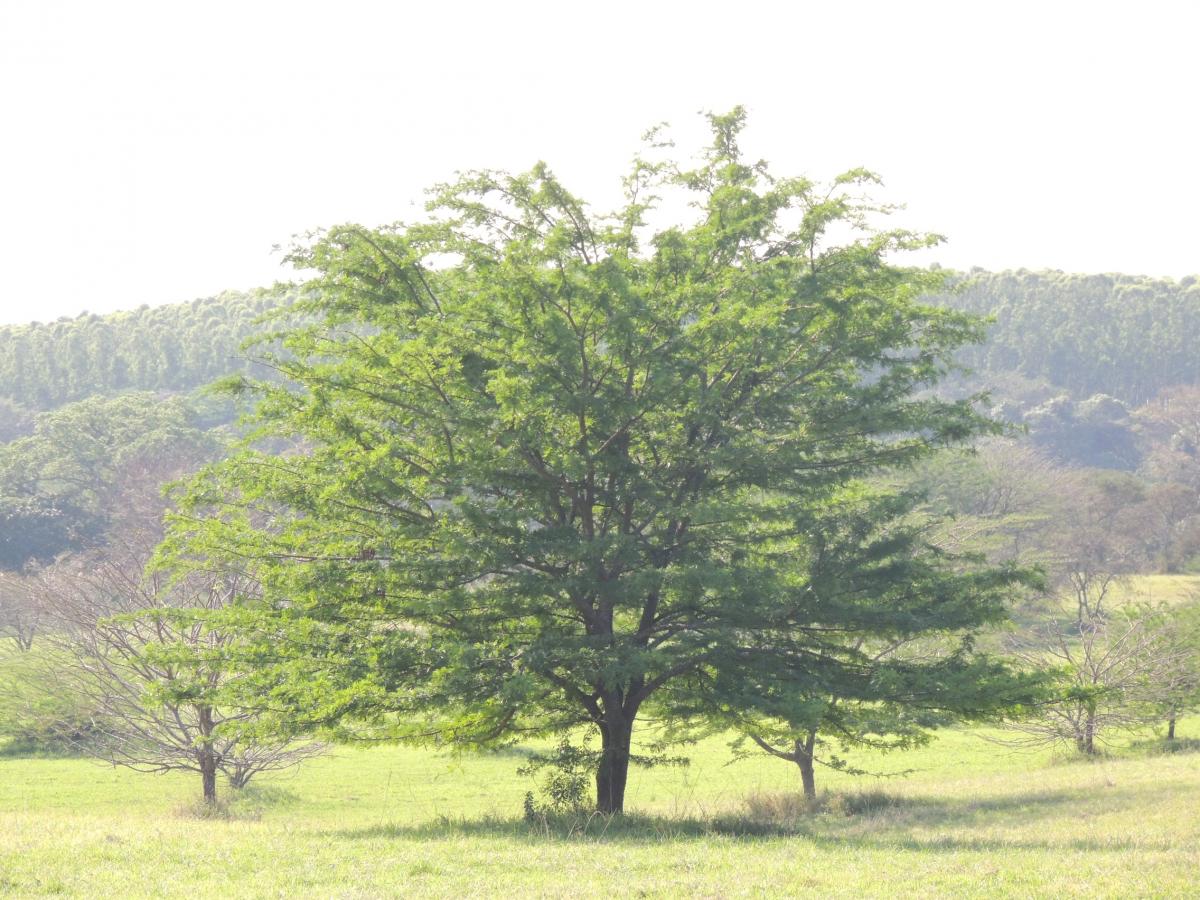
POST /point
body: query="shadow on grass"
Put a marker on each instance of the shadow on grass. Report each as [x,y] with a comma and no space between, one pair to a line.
[867,819]
[632,827]
[25,749]
[1163,747]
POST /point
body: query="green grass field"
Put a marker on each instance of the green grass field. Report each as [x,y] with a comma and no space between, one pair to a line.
[974,819]
[1169,590]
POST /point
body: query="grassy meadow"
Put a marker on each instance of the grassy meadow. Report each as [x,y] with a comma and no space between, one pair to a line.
[1168,590]
[972,819]
[962,817]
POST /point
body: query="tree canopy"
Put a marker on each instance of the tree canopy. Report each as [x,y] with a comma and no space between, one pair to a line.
[554,469]
[894,664]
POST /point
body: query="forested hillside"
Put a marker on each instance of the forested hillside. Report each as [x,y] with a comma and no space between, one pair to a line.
[165,348]
[1124,335]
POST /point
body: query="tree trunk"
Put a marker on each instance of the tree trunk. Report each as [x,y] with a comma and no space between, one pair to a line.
[1089,736]
[208,772]
[239,777]
[207,758]
[1171,729]
[804,759]
[613,771]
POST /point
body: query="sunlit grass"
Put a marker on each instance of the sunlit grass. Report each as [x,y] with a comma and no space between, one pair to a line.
[962,817]
[1169,590]
[973,819]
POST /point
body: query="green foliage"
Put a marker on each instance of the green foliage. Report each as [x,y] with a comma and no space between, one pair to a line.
[39,712]
[1097,431]
[568,771]
[559,466]
[1178,692]
[565,786]
[902,661]
[60,486]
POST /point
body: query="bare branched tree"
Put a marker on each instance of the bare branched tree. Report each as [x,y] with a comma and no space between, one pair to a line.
[152,668]
[20,613]
[1115,669]
[1004,497]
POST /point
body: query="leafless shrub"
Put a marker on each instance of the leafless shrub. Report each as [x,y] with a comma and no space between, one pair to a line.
[1113,668]
[20,613]
[142,651]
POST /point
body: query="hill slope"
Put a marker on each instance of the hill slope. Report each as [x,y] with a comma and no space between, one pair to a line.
[173,348]
[1123,335]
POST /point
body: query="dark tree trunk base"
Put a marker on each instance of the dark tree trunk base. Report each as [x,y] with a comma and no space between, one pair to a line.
[808,779]
[208,774]
[804,759]
[612,774]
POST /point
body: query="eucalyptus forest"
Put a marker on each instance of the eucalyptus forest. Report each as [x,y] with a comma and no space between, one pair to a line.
[531,547]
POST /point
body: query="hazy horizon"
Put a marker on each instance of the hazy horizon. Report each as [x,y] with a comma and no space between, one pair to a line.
[4,321]
[159,156]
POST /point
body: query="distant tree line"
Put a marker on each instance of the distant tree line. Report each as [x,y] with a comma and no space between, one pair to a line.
[61,486]
[1126,660]
[1122,335]
[1125,335]
[171,348]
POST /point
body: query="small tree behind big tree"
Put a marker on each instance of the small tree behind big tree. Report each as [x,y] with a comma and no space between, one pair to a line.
[887,638]
[1178,688]
[555,461]
[133,645]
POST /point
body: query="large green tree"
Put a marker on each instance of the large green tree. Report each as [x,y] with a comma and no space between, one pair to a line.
[547,464]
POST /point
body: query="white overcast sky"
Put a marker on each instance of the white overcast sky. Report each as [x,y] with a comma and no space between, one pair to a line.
[155,152]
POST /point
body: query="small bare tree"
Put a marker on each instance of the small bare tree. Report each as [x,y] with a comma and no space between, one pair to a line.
[1115,668]
[20,613]
[1098,544]
[152,668]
